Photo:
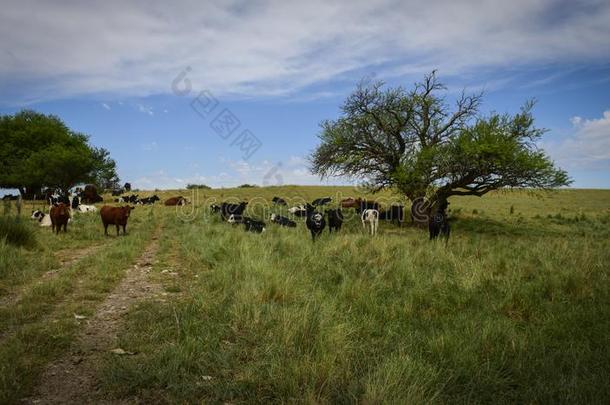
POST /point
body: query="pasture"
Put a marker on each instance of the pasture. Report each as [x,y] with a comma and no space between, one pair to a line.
[516,308]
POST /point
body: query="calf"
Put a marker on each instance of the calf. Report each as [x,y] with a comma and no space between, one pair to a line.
[283,221]
[42,218]
[175,201]
[335,219]
[253,225]
[370,217]
[315,222]
[117,216]
[321,201]
[226,209]
[60,215]
[214,208]
[438,224]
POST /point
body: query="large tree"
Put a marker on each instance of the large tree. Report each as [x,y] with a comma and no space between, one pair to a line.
[416,143]
[38,150]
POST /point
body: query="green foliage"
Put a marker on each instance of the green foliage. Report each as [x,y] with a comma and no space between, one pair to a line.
[415,143]
[38,150]
[247,186]
[15,232]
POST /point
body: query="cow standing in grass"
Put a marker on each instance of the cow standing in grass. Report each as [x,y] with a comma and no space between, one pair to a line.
[335,219]
[315,222]
[438,224]
[370,218]
[60,215]
[115,216]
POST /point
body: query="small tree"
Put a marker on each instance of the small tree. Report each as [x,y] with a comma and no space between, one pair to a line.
[415,143]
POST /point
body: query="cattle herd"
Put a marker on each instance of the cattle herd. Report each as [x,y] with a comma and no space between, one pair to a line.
[316,219]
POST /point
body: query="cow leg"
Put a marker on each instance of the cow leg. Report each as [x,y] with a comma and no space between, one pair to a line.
[124,232]
[117,230]
[106,229]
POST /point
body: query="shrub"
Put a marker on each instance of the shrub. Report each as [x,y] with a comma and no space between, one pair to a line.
[248,186]
[199,186]
[16,232]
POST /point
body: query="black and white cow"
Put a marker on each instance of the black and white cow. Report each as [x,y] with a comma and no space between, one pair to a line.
[214,208]
[315,222]
[253,225]
[335,219]
[283,221]
[149,200]
[226,209]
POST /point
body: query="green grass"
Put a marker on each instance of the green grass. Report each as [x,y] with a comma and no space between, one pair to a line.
[15,232]
[516,309]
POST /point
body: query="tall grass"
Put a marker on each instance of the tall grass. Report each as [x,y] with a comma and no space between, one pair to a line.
[15,232]
[512,312]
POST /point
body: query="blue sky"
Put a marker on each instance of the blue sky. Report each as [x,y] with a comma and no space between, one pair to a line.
[112,71]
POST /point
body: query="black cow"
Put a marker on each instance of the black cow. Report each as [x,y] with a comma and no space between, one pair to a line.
[117,191]
[253,225]
[75,202]
[321,201]
[278,201]
[227,209]
[315,222]
[438,224]
[283,221]
[10,197]
[335,219]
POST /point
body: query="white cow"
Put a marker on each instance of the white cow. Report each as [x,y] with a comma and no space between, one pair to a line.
[86,208]
[370,217]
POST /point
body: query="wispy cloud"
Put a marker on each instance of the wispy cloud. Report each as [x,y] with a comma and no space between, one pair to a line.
[145,109]
[277,48]
[105,106]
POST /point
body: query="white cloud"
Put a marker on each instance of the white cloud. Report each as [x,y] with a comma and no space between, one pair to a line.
[106,106]
[588,147]
[272,47]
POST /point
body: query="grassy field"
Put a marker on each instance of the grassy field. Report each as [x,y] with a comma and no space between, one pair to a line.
[515,309]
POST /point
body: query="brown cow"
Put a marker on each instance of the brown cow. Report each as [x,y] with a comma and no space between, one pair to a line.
[175,201]
[60,214]
[115,216]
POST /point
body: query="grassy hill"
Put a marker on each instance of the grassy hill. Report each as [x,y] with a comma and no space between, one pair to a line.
[515,309]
